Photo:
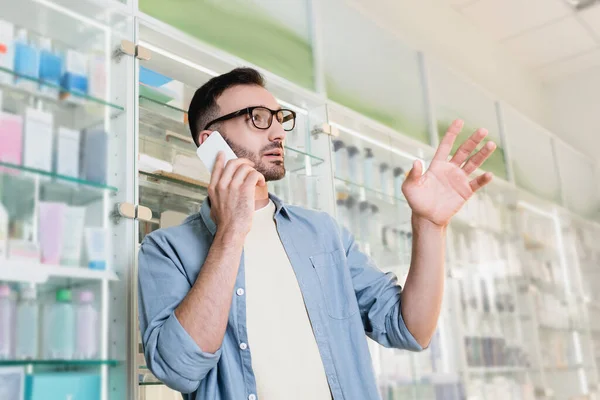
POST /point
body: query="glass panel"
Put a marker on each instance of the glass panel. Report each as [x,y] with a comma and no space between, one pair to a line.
[271,34]
[576,178]
[539,174]
[64,122]
[484,276]
[392,92]
[454,97]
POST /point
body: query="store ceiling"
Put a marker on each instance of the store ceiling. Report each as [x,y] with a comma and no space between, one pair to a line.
[550,38]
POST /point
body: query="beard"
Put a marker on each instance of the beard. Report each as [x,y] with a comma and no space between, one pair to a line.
[271,170]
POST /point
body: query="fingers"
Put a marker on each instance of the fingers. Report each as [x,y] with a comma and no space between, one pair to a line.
[230,168]
[443,150]
[468,146]
[225,175]
[217,169]
[255,178]
[240,175]
[478,158]
[481,181]
[416,171]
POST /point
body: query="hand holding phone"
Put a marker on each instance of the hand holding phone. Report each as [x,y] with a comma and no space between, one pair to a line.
[207,152]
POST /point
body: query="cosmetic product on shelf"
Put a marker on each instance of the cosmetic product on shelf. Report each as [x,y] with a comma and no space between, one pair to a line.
[51,231]
[398,181]
[27,62]
[74,219]
[94,156]
[7,312]
[11,134]
[38,139]
[60,327]
[7,32]
[384,178]
[67,152]
[353,160]
[3,232]
[97,75]
[50,68]
[75,77]
[86,327]
[341,159]
[96,246]
[27,325]
[368,168]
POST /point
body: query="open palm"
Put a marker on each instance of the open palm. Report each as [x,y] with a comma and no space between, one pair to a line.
[446,185]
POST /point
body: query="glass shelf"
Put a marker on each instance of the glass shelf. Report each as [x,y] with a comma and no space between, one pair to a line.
[498,370]
[21,182]
[63,98]
[60,363]
[364,192]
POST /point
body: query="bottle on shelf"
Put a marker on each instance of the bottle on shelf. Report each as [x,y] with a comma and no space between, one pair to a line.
[383,178]
[341,161]
[398,181]
[86,339]
[353,159]
[61,327]
[7,313]
[27,325]
[368,168]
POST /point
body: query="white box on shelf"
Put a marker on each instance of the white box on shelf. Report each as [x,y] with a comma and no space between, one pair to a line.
[67,152]
[38,139]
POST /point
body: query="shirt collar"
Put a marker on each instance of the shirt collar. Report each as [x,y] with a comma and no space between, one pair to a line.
[280,208]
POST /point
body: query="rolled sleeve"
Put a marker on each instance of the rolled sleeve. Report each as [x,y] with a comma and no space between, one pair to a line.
[379,298]
[171,353]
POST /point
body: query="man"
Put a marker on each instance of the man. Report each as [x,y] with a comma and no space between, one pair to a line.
[254,299]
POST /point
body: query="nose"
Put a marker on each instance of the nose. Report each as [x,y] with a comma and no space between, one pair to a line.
[276,132]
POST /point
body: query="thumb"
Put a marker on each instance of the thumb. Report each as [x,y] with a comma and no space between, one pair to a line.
[416,171]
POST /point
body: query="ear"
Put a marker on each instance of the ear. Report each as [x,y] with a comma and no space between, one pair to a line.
[204,135]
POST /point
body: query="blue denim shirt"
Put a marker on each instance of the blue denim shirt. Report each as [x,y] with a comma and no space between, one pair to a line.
[346,297]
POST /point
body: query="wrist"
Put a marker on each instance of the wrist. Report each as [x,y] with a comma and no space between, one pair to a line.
[424,224]
[230,235]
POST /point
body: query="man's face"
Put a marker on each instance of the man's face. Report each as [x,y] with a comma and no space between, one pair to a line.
[244,138]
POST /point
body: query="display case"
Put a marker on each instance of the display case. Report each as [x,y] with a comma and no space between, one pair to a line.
[66,156]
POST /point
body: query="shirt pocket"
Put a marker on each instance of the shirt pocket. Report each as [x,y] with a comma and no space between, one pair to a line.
[336,284]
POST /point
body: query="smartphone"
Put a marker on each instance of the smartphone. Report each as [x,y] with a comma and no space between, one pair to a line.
[208,151]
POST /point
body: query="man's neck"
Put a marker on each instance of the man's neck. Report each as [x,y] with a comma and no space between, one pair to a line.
[261,197]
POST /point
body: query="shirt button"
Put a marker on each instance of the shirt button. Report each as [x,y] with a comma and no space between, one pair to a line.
[252,397]
[240,292]
[243,346]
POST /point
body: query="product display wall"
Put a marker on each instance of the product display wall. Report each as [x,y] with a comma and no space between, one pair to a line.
[107,90]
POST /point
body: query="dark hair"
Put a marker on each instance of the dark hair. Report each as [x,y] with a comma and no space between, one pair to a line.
[204,108]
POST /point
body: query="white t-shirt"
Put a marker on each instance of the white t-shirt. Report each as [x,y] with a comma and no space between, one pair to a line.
[285,356]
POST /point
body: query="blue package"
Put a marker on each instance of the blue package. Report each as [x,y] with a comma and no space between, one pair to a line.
[62,385]
[27,60]
[50,67]
[94,154]
[74,83]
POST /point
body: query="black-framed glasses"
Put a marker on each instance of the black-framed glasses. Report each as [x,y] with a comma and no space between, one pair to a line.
[262,117]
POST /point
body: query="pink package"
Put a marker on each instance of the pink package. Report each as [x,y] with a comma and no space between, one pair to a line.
[11,140]
[51,227]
